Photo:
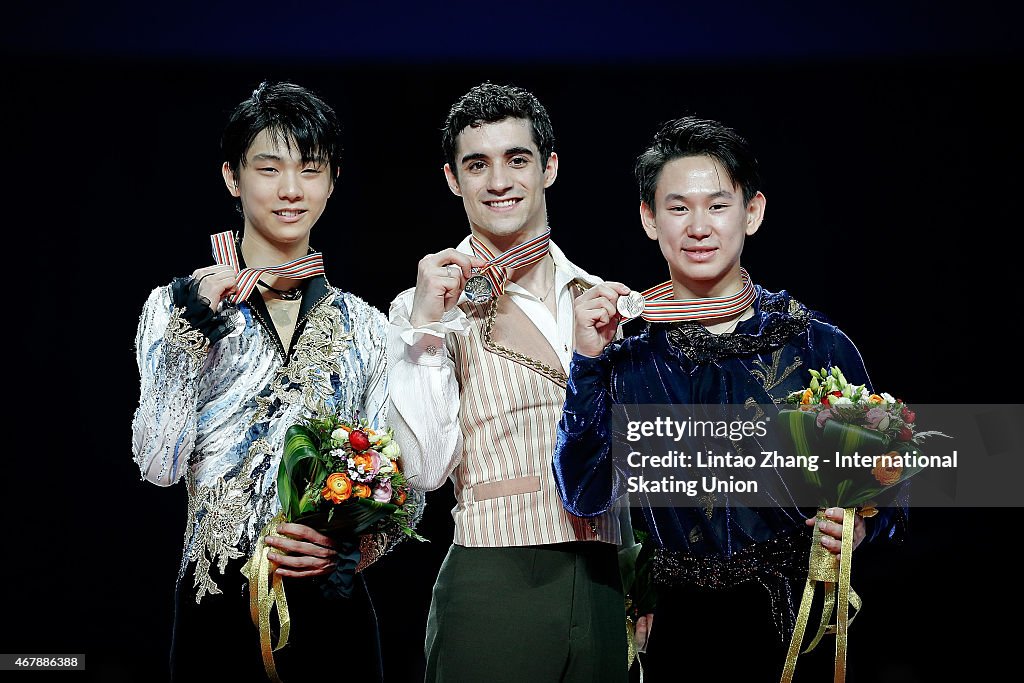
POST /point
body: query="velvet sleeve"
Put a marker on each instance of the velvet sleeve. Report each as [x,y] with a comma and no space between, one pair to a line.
[583,465]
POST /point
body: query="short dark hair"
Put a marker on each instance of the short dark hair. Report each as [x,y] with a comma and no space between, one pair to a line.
[690,136]
[289,113]
[491,103]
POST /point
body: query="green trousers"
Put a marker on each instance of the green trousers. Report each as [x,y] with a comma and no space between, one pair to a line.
[542,614]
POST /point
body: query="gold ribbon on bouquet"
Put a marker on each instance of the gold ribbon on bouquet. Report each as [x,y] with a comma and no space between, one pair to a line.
[264,595]
[824,567]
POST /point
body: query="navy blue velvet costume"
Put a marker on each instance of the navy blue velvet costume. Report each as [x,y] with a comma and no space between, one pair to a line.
[715,546]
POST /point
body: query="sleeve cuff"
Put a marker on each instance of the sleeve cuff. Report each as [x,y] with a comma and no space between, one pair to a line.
[586,371]
[425,345]
[197,311]
[427,349]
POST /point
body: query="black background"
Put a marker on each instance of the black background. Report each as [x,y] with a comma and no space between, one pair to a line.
[890,145]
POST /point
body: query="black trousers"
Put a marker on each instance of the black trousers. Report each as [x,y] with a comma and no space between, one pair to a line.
[217,638]
[730,635]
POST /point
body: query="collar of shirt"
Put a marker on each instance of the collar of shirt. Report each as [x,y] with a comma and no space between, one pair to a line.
[557,330]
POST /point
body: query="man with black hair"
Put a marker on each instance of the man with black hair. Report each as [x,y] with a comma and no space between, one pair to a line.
[725,574]
[478,354]
[225,372]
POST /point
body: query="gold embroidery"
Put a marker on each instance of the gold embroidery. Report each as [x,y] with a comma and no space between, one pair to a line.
[314,360]
[752,404]
[227,510]
[769,376]
[556,376]
[226,506]
[181,335]
[708,499]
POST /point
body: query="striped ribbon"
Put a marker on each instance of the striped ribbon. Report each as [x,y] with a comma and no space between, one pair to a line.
[659,307]
[224,254]
[497,268]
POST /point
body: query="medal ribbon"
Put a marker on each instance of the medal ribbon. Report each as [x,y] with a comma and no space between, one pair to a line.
[224,254]
[660,307]
[497,268]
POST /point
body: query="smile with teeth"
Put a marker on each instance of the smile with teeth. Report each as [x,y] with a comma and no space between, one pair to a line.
[502,203]
[290,213]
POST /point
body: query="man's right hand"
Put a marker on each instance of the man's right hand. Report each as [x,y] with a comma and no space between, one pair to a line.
[440,279]
[597,318]
[215,283]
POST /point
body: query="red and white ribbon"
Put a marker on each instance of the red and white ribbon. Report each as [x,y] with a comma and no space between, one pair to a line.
[497,268]
[224,254]
[660,307]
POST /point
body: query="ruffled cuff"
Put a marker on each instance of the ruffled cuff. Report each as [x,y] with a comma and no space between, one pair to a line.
[197,311]
[425,345]
[339,583]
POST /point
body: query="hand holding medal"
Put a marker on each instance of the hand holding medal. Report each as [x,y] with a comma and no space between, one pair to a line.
[597,317]
[440,279]
[245,279]
[657,305]
[600,309]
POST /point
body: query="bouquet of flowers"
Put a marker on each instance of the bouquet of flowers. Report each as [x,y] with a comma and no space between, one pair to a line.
[877,434]
[344,479]
[342,476]
[833,416]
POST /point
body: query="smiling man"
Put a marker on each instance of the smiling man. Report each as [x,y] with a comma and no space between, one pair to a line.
[721,570]
[225,372]
[478,354]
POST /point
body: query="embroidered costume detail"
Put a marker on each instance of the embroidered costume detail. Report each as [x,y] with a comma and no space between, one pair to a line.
[181,335]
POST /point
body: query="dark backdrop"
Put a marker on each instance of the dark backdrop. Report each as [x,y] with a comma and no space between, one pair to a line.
[893,185]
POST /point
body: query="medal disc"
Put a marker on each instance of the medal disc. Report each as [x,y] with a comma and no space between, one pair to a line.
[631,305]
[478,289]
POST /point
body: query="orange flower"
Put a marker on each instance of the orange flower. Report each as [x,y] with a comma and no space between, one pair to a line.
[338,487]
[361,491]
[399,497]
[805,398]
[887,476]
[876,399]
[868,509]
[363,459]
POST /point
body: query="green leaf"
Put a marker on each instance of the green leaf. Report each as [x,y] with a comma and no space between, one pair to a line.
[300,465]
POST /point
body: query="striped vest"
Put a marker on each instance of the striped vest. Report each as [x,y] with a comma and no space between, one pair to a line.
[512,390]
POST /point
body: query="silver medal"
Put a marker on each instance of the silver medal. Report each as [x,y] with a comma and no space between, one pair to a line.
[478,289]
[235,319]
[631,305]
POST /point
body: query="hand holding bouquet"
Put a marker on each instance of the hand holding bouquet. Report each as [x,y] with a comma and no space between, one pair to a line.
[875,434]
[343,479]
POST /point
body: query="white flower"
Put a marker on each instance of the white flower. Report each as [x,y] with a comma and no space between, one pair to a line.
[392,451]
[840,401]
[374,438]
[888,398]
[339,435]
[384,439]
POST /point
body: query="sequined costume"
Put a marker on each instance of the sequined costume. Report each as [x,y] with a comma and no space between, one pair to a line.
[216,414]
[714,547]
